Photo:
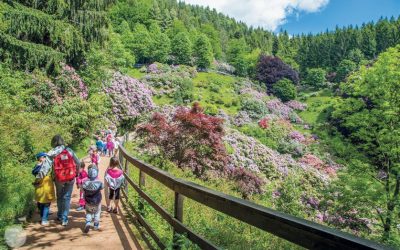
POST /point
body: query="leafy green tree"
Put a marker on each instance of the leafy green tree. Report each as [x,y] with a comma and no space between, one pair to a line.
[315,77]
[356,55]
[132,11]
[344,69]
[141,43]
[160,46]
[177,27]
[215,39]
[184,91]
[237,56]
[155,12]
[182,49]
[285,90]
[252,60]
[119,54]
[203,52]
[369,117]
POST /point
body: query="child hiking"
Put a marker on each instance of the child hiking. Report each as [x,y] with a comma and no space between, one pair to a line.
[82,175]
[44,186]
[114,179]
[110,146]
[92,187]
[95,156]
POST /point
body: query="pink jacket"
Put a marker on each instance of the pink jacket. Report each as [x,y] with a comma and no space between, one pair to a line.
[81,176]
[95,158]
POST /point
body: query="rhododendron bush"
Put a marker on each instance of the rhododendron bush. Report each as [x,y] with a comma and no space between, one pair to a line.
[129,98]
[283,111]
[296,105]
[180,70]
[190,139]
[251,154]
[68,84]
[248,182]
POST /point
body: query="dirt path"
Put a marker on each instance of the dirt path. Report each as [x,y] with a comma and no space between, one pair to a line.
[114,230]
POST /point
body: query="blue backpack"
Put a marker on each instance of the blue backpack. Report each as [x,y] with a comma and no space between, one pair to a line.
[36,169]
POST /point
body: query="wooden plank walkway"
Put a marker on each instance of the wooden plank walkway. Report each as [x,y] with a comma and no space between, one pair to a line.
[115,232]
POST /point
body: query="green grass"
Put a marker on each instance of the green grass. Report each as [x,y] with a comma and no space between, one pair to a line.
[212,90]
[218,90]
[318,106]
[220,229]
[135,73]
[163,100]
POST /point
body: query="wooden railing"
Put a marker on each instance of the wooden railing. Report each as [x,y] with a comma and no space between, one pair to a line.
[299,231]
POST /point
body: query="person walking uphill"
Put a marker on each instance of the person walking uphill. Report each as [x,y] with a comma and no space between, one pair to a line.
[44,187]
[114,179]
[65,164]
[92,187]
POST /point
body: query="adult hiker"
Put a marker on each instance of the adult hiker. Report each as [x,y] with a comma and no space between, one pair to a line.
[65,164]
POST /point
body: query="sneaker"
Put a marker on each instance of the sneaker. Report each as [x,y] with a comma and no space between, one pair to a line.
[109,209]
[115,211]
[64,223]
[80,208]
[45,223]
[86,228]
[96,226]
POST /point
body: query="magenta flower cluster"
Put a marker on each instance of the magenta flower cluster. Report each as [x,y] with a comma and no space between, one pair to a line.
[283,111]
[253,155]
[153,69]
[69,77]
[242,118]
[129,97]
[296,105]
[253,93]
[297,136]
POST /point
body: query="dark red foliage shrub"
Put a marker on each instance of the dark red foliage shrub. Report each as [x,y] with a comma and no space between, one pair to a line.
[248,182]
[190,139]
[271,69]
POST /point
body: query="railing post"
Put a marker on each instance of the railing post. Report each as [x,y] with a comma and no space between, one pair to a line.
[178,214]
[126,170]
[142,183]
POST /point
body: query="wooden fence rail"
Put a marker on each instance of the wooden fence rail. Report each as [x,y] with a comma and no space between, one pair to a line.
[299,231]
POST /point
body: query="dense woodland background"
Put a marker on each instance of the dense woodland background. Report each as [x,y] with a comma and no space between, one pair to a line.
[305,124]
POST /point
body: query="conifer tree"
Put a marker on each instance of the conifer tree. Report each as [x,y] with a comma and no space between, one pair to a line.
[368,40]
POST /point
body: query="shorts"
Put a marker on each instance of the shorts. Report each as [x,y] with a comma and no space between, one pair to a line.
[113,194]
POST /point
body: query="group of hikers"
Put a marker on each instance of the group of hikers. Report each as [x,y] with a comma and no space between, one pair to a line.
[57,171]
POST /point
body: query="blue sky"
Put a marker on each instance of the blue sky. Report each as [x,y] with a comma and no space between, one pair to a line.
[342,13]
[297,16]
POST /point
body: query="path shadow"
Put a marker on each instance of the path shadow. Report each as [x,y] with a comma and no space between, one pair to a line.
[58,232]
[119,220]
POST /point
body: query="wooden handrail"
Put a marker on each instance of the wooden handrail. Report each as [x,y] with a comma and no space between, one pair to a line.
[299,231]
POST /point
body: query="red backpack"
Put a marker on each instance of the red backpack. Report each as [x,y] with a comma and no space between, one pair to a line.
[64,167]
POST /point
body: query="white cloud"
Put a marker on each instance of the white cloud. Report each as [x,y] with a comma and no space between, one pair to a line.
[268,14]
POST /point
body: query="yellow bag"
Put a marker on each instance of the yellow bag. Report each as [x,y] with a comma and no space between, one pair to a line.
[44,191]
